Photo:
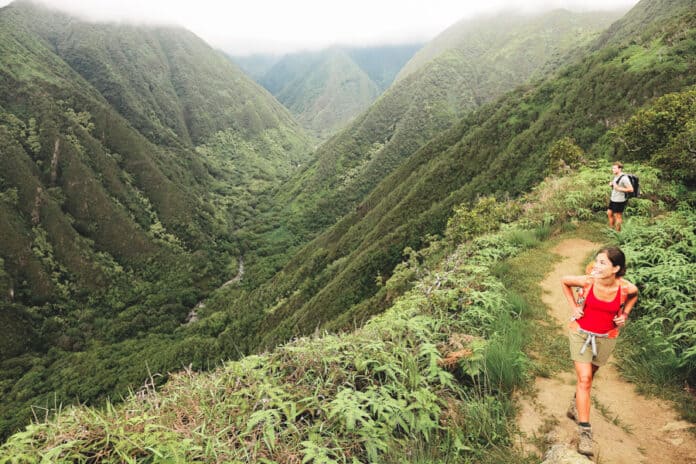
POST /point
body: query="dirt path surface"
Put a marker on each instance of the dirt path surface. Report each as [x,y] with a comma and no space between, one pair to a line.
[641,430]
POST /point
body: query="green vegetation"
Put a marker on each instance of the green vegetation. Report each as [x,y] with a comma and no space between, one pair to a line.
[124,211]
[485,59]
[496,40]
[336,186]
[328,88]
[122,181]
[379,393]
[660,343]
[170,85]
[324,90]
[587,111]
[383,63]
[357,397]
[664,135]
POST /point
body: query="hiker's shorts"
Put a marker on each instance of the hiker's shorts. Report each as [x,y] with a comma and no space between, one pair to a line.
[605,346]
[617,206]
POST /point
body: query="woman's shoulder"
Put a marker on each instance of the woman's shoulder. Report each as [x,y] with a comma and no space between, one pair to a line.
[631,287]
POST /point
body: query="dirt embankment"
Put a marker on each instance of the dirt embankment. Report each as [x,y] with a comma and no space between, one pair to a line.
[630,428]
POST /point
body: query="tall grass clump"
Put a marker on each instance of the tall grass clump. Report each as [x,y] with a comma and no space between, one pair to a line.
[506,366]
[524,238]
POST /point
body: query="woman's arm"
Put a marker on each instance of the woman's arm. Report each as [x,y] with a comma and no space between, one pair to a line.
[568,283]
[631,300]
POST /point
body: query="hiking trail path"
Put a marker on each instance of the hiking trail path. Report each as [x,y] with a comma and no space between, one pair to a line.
[644,430]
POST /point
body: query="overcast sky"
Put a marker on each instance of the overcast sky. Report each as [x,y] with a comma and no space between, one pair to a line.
[278,26]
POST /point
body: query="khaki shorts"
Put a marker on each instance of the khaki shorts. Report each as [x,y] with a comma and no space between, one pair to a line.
[605,346]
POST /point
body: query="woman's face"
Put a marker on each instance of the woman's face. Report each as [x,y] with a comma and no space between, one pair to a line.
[603,266]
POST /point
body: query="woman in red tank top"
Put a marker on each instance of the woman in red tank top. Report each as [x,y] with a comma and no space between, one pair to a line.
[596,322]
[598,315]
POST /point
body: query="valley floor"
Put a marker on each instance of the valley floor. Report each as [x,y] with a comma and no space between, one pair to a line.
[627,427]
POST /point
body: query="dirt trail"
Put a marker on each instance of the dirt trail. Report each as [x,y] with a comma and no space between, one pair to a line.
[643,430]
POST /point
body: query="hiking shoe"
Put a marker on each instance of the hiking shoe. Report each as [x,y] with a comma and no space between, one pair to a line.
[585,440]
[572,412]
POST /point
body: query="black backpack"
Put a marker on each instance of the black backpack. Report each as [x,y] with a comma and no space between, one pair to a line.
[633,179]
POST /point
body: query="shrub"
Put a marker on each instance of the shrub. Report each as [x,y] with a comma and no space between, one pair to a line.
[485,216]
[662,263]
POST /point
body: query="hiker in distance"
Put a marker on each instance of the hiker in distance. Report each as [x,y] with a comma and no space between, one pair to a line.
[604,303]
[620,185]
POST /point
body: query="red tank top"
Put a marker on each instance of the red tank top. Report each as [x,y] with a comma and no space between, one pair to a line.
[598,315]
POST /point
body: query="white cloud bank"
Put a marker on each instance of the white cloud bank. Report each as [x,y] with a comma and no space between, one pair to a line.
[254,26]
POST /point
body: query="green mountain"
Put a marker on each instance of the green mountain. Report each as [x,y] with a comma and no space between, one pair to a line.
[256,65]
[536,43]
[409,114]
[502,149]
[324,90]
[152,227]
[328,88]
[492,56]
[128,156]
[383,63]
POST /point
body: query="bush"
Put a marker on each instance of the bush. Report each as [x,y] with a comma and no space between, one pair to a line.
[485,216]
[662,263]
[565,154]
[664,134]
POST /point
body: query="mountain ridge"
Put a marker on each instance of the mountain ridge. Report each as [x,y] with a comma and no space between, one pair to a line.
[137,195]
[118,207]
[326,89]
[402,120]
[499,150]
[459,86]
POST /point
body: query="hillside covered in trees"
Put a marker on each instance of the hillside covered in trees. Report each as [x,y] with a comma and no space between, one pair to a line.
[412,112]
[502,149]
[129,155]
[429,380]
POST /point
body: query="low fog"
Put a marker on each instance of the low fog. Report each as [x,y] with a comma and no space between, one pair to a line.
[278,26]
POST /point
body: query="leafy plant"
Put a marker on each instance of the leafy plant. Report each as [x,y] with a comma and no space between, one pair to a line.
[662,260]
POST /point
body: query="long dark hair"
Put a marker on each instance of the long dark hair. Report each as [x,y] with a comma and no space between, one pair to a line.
[617,258]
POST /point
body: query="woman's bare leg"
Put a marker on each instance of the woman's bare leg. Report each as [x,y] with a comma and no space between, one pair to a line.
[585,373]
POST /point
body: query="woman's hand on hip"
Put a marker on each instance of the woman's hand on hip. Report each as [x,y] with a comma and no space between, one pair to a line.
[620,320]
[578,312]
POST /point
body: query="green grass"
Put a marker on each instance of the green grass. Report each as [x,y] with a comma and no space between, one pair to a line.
[506,366]
[655,55]
[526,270]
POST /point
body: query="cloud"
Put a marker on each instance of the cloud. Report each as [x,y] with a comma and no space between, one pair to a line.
[251,26]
